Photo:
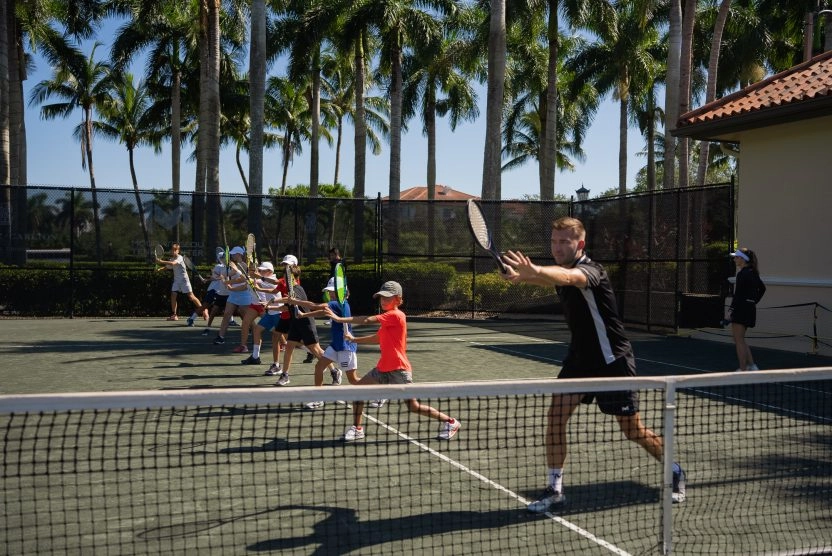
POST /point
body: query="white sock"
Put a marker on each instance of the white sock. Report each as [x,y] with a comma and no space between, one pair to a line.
[556,479]
[255,351]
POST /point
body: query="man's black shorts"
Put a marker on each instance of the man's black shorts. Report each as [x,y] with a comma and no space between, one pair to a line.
[623,402]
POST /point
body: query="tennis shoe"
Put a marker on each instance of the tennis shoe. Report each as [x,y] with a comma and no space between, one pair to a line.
[449,429]
[315,405]
[547,500]
[206,332]
[309,358]
[283,380]
[233,322]
[377,403]
[251,360]
[336,376]
[752,367]
[353,433]
[173,317]
[190,321]
[273,370]
[679,477]
[240,349]
[219,340]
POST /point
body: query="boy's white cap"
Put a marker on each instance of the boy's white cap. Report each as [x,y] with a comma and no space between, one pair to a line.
[290,259]
[266,266]
[740,254]
[237,251]
[330,285]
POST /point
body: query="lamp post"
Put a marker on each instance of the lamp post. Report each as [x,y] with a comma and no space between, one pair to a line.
[583,193]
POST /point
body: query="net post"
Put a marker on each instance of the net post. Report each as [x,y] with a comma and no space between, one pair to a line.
[669,414]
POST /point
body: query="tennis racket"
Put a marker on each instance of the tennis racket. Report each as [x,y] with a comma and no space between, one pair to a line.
[290,285]
[340,285]
[190,266]
[251,247]
[159,254]
[479,229]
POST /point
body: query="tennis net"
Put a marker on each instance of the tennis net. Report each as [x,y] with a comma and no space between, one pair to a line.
[252,470]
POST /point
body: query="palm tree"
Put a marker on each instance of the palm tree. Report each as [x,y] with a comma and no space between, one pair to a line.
[491,167]
[441,66]
[338,94]
[286,109]
[620,62]
[710,94]
[169,30]
[81,83]
[125,118]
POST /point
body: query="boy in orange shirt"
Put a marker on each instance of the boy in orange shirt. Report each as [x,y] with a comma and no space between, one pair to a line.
[393,366]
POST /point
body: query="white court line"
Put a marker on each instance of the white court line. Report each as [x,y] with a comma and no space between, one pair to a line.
[568,524]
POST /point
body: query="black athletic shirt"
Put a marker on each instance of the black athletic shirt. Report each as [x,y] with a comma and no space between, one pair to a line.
[591,313]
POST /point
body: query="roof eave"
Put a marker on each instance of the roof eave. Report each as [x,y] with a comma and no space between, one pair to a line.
[715,130]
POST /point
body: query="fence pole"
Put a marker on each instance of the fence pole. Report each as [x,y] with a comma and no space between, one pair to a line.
[72,253]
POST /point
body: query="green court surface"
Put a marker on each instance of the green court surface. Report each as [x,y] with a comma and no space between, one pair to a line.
[261,478]
[77,355]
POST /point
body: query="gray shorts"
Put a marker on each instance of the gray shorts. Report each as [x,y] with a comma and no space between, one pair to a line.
[391,377]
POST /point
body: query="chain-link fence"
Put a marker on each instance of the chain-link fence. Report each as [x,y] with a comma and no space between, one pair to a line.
[663,250]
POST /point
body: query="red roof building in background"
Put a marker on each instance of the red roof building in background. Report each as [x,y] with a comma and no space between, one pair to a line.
[443,193]
[801,92]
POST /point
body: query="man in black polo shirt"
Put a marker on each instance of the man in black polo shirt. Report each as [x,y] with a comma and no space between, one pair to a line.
[598,348]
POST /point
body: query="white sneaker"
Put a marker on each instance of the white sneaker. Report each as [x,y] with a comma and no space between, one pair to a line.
[377,403]
[336,376]
[314,405]
[449,429]
[549,498]
[274,370]
[283,380]
[752,367]
[353,433]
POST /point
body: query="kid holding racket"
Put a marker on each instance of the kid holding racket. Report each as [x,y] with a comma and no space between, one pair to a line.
[393,366]
[181,282]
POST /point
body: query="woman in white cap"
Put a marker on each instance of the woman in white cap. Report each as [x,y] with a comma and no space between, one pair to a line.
[748,290]
[239,292]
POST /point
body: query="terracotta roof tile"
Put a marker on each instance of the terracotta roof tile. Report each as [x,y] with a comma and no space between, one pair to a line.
[805,82]
[443,193]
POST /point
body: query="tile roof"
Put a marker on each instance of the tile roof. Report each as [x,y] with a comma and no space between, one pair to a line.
[803,91]
[443,193]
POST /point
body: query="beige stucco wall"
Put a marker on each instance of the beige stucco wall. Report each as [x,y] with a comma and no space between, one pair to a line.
[784,213]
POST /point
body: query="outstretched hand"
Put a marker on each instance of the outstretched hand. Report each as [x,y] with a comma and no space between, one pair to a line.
[519,266]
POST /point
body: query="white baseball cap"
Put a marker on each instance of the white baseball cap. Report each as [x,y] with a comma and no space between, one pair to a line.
[237,251]
[290,259]
[741,255]
[266,266]
[330,285]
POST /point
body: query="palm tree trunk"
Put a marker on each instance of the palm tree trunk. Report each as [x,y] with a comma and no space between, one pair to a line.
[360,146]
[211,88]
[710,92]
[684,87]
[392,228]
[671,99]
[622,145]
[491,186]
[257,95]
[550,122]
[175,142]
[139,204]
[93,191]
[430,129]
[338,141]
[651,144]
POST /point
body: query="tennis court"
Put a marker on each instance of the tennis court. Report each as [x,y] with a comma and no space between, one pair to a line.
[223,462]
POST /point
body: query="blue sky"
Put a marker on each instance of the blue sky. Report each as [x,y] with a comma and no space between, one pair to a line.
[55,156]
